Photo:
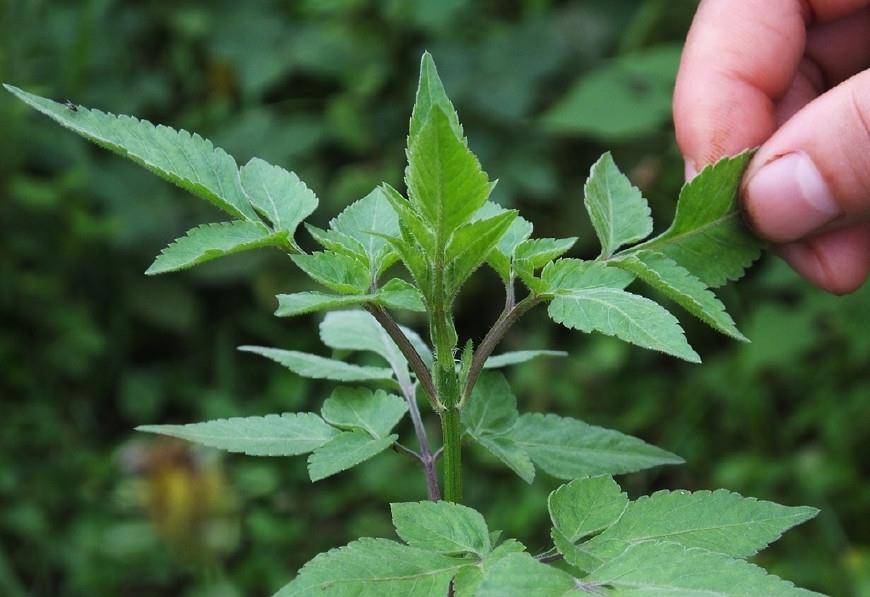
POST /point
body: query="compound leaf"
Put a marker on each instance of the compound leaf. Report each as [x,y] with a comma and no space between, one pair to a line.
[184,159]
[707,236]
[619,213]
[278,194]
[444,527]
[627,316]
[666,275]
[658,568]
[317,367]
[516,357]
[376,413]
[211,241]
[568,448]
[374,568]
[288,434]
[719,521]
[345,451]
[586,506]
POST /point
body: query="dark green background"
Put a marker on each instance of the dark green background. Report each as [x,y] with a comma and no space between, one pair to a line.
[90,348]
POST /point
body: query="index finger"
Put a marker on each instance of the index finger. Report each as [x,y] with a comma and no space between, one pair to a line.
[740,57]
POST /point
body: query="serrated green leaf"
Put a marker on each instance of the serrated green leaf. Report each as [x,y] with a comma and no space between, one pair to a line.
[288,434]
[492,407]
[521,574]
[335,241]
[336,271]
[317,367]
[290,305]
[572,553]
[519,230]
[719,521]
[184,159]
[376,413]
[566,275]
[586,506]
[398,294]
[367,221]
[627,316]
[444,527]
[506,359]
[468,579]
[412,226]
[535,253]
[413,256]
[490,413]
[666,275]
[345,451]
[658,568]
[568,448]
[510,453]
[278,194]
[707,236]
[445,182]
[375,568]
[619,213]
[472,243]
[431,95]
[211,241]
[395,294]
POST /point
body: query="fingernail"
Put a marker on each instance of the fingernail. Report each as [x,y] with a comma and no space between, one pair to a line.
[788,198]
[690,170]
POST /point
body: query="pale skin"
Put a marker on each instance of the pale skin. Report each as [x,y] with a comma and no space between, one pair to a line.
[790,77]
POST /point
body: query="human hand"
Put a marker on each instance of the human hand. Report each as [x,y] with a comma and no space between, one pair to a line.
[791,77]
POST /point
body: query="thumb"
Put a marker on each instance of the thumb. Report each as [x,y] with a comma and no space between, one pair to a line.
[813,174]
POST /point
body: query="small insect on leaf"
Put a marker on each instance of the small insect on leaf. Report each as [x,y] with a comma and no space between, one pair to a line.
[71,106]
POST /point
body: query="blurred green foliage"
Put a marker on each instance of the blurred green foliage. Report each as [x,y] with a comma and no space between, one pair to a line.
[90,348]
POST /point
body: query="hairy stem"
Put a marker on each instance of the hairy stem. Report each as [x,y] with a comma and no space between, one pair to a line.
[426,457]
[452,435]
[493,337]
[408,350]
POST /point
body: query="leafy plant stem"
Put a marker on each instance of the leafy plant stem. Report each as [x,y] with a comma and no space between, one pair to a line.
[401,448]
[426,457]
[410,353]
[493,337]
[452,436]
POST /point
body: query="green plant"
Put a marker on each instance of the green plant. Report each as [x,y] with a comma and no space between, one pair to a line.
[669,542]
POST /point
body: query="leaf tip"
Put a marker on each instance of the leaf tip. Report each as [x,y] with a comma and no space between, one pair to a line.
[148,428]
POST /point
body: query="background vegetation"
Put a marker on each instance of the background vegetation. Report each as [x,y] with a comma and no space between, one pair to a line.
[90,348]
